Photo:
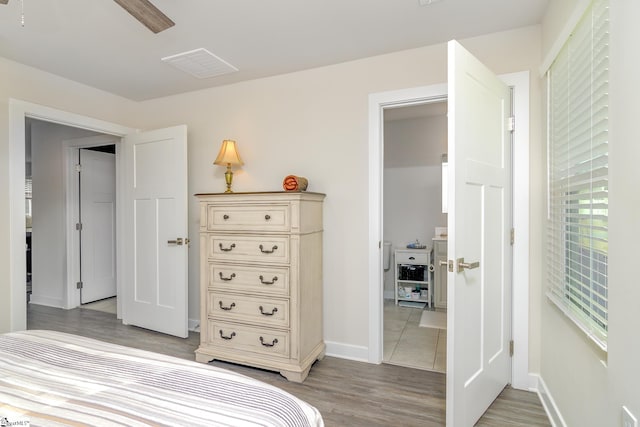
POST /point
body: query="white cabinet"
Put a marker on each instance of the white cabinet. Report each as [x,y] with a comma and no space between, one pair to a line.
[261,280]
[440,272]
[412,276]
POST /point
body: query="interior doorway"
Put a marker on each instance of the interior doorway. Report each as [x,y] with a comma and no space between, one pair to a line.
[414,230]
[20,111]
[52,168]
[378,102]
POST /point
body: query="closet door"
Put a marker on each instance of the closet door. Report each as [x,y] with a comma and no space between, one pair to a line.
[98,219]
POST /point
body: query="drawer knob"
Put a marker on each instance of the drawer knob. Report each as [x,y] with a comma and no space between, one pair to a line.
[267,251]
[225,217]
[412,258]
[266,313]
[233,334]
[266,344]
[274,280]
[229,249]
[226,279]
[267,217]
[233,304]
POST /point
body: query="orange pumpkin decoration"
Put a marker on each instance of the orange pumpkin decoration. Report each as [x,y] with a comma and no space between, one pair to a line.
[294,183]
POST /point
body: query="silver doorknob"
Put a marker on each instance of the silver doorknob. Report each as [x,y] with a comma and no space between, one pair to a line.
[470,266]
[178,241]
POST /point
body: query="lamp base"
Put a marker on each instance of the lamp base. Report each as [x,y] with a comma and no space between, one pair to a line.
[228,177]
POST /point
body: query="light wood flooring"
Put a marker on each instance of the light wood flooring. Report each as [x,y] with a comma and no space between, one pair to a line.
[347,393]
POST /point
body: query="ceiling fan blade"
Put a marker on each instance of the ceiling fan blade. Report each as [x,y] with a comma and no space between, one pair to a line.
[149,15]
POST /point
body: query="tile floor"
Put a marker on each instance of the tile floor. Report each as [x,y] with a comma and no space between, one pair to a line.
[108,305]
[407,344]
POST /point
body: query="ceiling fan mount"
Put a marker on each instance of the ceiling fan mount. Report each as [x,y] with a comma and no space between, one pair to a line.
[144,11]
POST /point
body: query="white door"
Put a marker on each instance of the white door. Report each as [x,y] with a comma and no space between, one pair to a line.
[155,273]
[479,299]
[98,218]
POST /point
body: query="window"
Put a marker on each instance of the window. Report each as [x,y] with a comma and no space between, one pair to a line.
[27,199]
[578,138]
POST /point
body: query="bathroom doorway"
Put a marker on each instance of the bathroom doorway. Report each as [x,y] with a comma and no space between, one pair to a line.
[414,230]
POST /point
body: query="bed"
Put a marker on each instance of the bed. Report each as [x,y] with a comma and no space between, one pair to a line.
[52,378]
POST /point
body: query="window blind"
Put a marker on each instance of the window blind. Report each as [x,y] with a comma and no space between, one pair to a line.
[578,112]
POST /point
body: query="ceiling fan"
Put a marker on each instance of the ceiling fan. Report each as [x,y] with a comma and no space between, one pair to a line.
[145,12]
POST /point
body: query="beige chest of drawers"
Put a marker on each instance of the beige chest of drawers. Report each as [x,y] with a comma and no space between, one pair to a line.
[261,280]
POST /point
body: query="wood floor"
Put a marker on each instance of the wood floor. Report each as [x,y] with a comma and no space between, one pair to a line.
[347,393]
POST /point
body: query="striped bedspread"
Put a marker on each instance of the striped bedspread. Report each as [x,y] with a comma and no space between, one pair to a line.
[52,379]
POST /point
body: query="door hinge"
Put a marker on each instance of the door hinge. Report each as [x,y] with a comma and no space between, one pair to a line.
[511,123]
[450,266]
[79,285]
[79,226]
[511,348]
[78,167]
[513,236]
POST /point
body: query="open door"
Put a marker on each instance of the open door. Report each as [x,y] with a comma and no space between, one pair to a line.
[98,231]
[155,271]
[479,251]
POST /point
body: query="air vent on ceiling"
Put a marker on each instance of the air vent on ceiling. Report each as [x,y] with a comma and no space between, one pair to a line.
[200,63]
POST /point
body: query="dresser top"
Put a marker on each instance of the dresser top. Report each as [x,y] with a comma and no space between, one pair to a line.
[261,196]
[257,192]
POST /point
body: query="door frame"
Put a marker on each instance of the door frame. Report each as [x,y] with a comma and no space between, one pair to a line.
[520,378]
[18,111]
[72,199]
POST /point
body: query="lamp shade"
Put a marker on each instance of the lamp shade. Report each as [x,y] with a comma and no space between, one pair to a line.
[228,154]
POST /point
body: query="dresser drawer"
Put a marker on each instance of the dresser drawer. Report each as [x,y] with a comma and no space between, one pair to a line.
[248,218]
[413,257]
[244,278]
[267,249]
[247,338]
[265,311]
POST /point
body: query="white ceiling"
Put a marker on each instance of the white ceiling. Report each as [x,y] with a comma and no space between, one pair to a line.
[98,43]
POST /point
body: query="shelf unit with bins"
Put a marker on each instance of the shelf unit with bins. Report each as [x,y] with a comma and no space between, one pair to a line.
[412,271]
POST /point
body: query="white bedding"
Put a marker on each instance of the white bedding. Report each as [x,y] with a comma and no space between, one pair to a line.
[51,378]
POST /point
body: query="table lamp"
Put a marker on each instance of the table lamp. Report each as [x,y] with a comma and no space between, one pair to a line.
[228,156]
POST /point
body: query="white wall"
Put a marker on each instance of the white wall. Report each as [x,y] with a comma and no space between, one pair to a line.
[412,204]
[588,386]
[315,124]
[415,142]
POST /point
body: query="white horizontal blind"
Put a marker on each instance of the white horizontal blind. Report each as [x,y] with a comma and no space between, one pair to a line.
[578,174]
[28,194]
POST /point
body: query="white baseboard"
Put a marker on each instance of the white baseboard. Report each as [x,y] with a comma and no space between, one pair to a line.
[347,351]
[194,325]
[46,301]
[550,407]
